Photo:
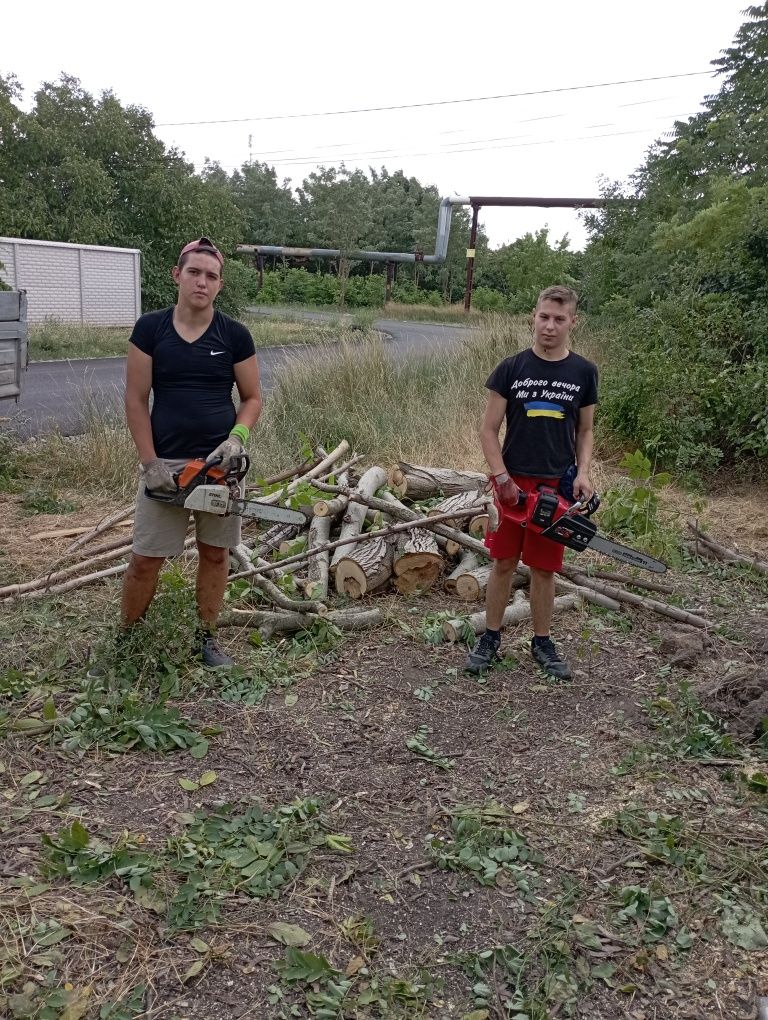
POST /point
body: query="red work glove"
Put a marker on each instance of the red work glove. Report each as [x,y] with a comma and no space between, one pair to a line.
[505,489]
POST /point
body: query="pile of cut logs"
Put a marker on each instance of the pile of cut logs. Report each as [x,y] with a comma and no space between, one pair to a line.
[409,529]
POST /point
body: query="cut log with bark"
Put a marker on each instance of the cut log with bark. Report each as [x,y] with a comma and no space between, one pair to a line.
[320,470]
[268,622]
[316,586]
[471,585]
[630,598]
[416,482]
[460,501]
[354,517]
[724,553]
[417,562]
[478,526]
[333,507]
[518,611]
[467,563]
[363,568]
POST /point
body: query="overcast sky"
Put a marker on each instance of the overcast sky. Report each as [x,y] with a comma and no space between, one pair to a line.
[192,61]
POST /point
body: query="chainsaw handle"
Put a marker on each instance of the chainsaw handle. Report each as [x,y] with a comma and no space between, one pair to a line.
[238,473]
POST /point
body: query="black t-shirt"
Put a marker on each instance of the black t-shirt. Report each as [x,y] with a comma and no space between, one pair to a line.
[543,403]
[192,410]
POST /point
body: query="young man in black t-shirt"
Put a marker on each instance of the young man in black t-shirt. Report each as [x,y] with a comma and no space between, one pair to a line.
[547,394]
[189,357]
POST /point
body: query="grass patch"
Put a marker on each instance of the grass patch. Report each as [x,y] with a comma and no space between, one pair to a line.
[60,341]
[57,341]
[279,330]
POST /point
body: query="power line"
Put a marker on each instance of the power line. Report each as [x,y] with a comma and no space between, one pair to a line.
[468,146]
[438,102]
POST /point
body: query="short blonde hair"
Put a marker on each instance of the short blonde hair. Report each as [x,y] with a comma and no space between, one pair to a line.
[563,296]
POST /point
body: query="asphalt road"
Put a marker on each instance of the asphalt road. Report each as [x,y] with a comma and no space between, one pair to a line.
[61,394]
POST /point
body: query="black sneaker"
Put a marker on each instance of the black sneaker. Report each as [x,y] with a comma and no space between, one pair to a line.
[550,660]
[210,653]
[483,655]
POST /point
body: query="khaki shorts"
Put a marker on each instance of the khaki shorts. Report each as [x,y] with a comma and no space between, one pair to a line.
[160,529]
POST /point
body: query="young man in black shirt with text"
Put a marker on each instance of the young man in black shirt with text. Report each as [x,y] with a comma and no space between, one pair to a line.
[189,357]
[547,394]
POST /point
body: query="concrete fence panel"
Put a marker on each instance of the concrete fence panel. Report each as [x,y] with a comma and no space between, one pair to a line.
[85,283]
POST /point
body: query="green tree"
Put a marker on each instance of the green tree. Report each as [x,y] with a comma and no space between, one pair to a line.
[271,214]
[336,204]
[522,269]
[88,170]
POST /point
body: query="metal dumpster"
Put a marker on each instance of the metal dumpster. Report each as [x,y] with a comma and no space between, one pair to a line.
[13,342]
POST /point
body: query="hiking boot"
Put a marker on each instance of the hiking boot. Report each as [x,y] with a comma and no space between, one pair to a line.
[550,660]
[210,653]
[483,655]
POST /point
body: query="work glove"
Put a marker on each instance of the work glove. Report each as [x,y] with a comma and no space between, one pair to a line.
[506,490]
[158,477]
[230,450]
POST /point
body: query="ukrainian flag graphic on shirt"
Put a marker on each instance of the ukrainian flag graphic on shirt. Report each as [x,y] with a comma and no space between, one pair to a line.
[543,409]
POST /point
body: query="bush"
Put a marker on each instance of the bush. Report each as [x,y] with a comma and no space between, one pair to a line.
[680,381]
[484,299]
[240,289]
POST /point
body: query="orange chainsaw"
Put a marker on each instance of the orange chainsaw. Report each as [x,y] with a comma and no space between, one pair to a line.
[203,485]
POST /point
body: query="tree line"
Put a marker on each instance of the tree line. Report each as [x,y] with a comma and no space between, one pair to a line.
[90,170]
[676,269]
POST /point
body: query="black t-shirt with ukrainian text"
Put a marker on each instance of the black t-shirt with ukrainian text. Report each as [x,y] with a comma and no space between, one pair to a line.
[192,409]
[543,403]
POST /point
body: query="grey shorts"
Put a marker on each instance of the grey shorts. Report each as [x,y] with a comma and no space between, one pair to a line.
[160,529]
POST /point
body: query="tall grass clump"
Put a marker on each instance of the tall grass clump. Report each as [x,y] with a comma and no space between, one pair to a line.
[424,408]
[101,461]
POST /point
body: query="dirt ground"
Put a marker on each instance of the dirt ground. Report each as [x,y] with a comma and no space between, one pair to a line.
[620,786]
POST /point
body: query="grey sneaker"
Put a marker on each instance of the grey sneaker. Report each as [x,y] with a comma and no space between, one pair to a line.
[483,655]
[210,653]
[550,660]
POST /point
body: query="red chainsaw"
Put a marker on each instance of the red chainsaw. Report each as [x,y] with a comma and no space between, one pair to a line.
[547,512]
[205,486]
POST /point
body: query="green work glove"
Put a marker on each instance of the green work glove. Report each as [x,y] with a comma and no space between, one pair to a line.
[157,476]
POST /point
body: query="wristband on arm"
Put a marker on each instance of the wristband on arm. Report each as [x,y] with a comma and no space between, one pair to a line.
[242,432]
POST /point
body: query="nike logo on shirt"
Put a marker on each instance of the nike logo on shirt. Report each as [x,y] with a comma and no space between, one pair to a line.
[214,353]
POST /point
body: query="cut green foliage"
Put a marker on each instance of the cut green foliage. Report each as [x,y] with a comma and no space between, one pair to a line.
[253,852]
[330,995]
[661,838]
[249,852]
[74,854]
[124,724]
[654,917]
[690,731]
[741,925]
[128,1007]
[418,745]
[480,843]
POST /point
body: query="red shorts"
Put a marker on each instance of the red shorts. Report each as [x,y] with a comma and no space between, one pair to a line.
[511,541]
